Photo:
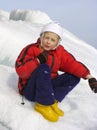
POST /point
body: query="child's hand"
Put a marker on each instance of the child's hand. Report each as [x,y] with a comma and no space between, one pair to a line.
[43,57]
[93,84]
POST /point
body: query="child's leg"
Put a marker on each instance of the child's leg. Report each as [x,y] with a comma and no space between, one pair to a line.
[63,84]
[39,86]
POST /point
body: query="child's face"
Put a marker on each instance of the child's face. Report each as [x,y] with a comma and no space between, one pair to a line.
[49,41]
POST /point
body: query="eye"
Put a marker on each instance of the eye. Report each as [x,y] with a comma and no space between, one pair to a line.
[53,40]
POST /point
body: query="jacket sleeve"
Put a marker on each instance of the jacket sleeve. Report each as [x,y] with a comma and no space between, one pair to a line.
[70,65]
[26,63]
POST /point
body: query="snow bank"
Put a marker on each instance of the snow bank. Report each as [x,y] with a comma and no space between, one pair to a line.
[30,16]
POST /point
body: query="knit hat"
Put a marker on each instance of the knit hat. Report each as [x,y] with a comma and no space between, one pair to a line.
[53,27]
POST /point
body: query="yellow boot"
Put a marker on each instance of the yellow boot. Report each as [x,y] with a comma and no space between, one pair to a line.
[47,112]
[56,109]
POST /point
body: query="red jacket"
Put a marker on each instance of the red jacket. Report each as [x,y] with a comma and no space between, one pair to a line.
[58,60]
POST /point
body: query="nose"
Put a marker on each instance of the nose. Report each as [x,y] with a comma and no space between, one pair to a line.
[48,41]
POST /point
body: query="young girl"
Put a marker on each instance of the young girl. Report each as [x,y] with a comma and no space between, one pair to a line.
[37,67]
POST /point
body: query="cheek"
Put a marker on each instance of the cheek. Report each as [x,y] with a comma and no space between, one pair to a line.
[54,44]
[43,41]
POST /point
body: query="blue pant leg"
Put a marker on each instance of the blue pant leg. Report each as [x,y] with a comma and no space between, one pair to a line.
[29,90]
[63,84]
[39,87]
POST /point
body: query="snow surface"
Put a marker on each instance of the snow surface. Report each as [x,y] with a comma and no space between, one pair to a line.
[18,29]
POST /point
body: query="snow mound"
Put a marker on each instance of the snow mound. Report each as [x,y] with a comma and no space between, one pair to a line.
[30,16]
[14,35]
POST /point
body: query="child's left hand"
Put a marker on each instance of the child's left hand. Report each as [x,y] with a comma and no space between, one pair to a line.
[93,84]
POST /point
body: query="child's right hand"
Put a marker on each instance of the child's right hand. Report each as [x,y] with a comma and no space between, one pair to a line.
[43,57]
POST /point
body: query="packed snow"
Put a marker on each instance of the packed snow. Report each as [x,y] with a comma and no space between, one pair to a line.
[18,29]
